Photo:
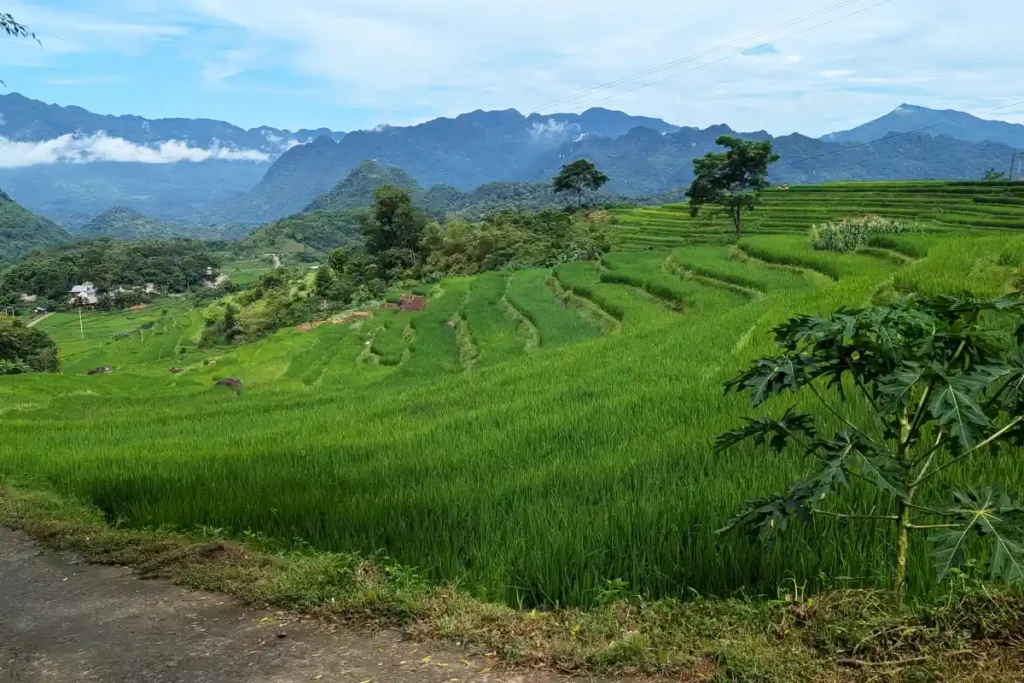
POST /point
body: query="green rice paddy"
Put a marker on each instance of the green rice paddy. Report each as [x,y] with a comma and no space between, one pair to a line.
[530,435]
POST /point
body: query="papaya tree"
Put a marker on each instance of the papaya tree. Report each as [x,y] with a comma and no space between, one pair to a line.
[941,381]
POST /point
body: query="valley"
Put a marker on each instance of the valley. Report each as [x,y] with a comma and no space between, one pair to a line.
[522,422]
[518,383]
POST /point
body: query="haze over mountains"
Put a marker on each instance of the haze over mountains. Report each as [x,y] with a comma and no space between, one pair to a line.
[70,165]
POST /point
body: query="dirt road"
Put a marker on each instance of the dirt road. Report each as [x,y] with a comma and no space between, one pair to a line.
[61,621]
[39,320]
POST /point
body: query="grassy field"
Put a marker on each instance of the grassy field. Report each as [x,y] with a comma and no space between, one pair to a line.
[530,435]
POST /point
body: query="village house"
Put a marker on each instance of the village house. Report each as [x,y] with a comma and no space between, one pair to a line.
[84,294]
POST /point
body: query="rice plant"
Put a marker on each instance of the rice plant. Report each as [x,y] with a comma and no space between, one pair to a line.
[537,479]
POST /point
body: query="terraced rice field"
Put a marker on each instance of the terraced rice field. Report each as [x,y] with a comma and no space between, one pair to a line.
[934,206]
[531,435]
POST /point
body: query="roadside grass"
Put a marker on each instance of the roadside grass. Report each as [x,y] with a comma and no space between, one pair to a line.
[972,634]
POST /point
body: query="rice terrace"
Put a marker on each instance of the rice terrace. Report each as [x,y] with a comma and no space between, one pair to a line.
[532,436]
[384,378]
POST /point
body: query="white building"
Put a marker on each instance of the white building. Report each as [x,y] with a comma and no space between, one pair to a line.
[85,294]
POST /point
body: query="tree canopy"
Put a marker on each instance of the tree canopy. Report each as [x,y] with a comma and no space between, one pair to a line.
[733,178]
[578,177]
[25,349]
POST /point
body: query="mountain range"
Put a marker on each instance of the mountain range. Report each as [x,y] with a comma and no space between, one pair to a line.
[464,152]
[200,174]
[71,164]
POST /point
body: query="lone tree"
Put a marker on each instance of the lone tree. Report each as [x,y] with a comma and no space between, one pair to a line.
[941,382]
[992,174]
[731,179]
[578,177]
[393,231]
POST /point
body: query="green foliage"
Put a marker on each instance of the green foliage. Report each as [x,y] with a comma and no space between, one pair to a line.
[25,349]
[392,232]
[578,177]
[942,377]
[172,265]
[513,240]
[992,175]
[732,179]
[852,233]
[308,235]
[21,231]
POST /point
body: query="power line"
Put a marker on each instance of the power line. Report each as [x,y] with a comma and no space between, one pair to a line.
[696,55]
[737,54]
[847,148]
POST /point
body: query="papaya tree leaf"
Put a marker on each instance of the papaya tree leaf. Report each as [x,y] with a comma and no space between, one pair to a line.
[775,433]
[897,389]
[955,409]
[769,377]
[991,515]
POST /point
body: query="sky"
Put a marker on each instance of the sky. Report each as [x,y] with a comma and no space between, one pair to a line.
[812,66]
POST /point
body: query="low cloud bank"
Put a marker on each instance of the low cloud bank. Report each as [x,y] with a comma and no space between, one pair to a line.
[84,149]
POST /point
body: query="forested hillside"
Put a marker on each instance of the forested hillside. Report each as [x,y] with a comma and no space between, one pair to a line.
[173,265]
[123,223]
[22,231]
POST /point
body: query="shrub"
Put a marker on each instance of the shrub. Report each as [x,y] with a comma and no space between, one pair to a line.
[851,233]
[25,349]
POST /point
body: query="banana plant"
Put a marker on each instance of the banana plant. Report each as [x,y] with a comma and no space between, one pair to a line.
[942,381]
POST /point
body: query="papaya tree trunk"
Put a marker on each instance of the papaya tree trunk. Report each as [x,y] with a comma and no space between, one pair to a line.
[902,545]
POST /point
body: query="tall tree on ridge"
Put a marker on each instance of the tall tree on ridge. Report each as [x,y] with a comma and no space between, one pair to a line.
[731,179]
[577,177]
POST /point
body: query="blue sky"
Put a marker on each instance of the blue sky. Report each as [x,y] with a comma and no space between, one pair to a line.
[346,65]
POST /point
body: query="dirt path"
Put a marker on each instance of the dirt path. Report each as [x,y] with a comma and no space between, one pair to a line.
[61,622]
[39,319]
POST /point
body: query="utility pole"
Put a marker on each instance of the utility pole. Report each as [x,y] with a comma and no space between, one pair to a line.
[81,328]
[1013,163]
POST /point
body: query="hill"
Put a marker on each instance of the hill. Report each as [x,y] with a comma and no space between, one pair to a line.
[356,189]
[956,124]
[306,236]
[646,163]
[123,223]
[21,231]
[464,152]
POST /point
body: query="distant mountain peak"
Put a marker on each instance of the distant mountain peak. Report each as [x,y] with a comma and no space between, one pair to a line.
[958,125]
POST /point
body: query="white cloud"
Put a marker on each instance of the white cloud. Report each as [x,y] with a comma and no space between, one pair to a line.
[836,73]
[279,141]
[545,131]
[83,149]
